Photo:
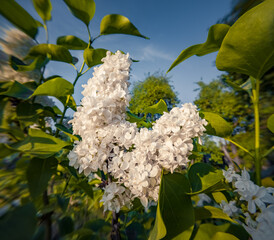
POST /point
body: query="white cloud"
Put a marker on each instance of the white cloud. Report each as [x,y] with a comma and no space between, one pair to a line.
[150,53]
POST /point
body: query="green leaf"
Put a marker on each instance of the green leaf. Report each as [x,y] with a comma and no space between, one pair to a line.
[115,23]
[43,8]
[248,47]
[63,202]
[270,123]
[175,211]
[39,144]
[5,150]
[39,173]
[159,229]
[82,9]
[72,42]
[93,57]
[67,132]
[20,66]
[66,225]
[217,126]
[19,222]
[226,231]
[16,90]
[160,107]
[29,113]
[51,51]
[18,16]
[214,40]
[207,212]
[86,188]
[56,87]
[204,178]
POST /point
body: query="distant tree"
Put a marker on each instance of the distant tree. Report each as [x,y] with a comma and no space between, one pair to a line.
[150,91]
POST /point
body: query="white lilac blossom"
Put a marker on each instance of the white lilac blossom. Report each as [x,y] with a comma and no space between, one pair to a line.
[203,198]
[135,158]
[230,208]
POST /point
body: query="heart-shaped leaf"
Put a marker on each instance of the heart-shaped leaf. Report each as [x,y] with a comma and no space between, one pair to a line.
[160,107]
[43,8]
[115,23]
[93,57]
[82,9]
[248,47]
[214,40]
[72,42]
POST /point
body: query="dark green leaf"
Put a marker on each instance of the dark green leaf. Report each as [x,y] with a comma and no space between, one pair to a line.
[175,210]
[207,212]
[204,178]
[93,57]
[43,8]
[115,23]
[82,9]
[160,107]
[51,51]
[39,173]
[5,150]
[86,188]
[18,16]
[16,90]
[217,126]
[37,63]
[63,202]
[19,223]
[72,42]
[67,132]
[214,40]
[65,225]
[56,87]
[252,33]
[270,123]
[29,113]
[39,144]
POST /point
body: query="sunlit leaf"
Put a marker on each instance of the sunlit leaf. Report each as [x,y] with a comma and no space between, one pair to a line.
[82,9]
[67,132]
[205,178]
[21,222]
[43,8]
[72,42]
[93,57]
[160,107]
[214,40]
[56,87]
[39,173]
[51,51]
[217,126]
[115,23]
[37,63]
[18,16]
[40,144]
[16,90]
[270,123]
[207,212]
[252,33]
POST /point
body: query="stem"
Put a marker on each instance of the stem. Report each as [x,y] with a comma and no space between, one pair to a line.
[89,38]
[47,33]
[255,100]
[65,188]
[115,232]
[47,217]
[239,146]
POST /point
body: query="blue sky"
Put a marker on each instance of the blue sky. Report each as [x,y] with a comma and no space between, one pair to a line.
[170,25]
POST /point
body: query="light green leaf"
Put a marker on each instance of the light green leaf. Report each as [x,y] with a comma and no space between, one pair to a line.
[16,90]
[56,87]
[39,173]
[214,40]
[248,47]
[82,9]
[207,212]
[72,42]
[20,66]
[93,57]
[18,16]
[115,23]
[43,8]
[160,107]
[217,126]
[21,222]
[40,144]
[205,178]
[220,196]
[225,231]
[175,207]
[159,229]
[270,123]
[51,51]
